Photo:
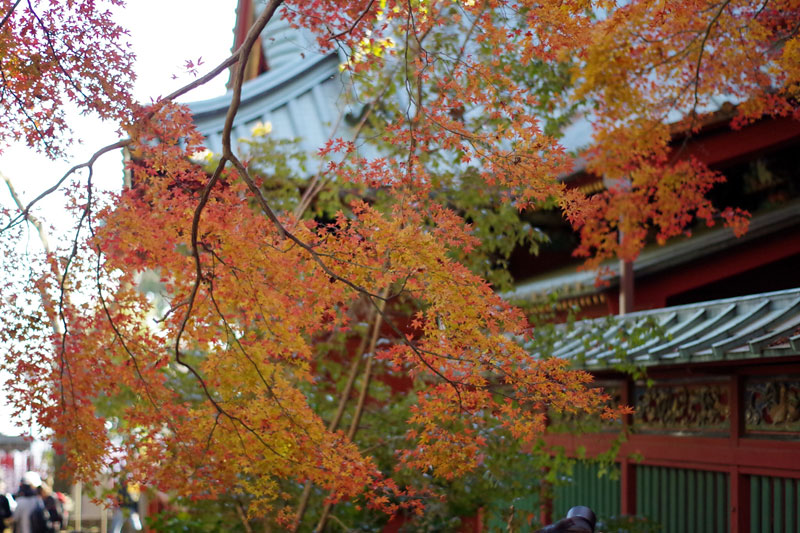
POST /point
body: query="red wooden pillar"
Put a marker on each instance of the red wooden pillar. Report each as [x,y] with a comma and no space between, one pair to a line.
[628,485]
[739,483]
[625,287]
[627,468]
[740,501]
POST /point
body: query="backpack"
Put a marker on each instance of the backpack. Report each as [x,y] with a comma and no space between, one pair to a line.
[5,508]
[40,521]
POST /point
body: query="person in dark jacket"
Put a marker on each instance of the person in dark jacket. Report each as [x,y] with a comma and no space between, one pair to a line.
[52,505]
[7,505]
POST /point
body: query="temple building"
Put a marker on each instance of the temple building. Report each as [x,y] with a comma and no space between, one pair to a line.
[714,444]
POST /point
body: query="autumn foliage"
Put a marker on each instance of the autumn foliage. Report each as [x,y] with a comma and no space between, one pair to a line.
[213,393]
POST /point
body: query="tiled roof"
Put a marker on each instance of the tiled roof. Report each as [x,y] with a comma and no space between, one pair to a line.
[9,443]
[747,327]
[301,100]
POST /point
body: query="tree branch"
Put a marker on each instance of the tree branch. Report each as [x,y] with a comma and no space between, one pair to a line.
[700,56]
[8,15]
[88,164]
[355,22]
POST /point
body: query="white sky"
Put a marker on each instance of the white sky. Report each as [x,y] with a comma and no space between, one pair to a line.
[164,34]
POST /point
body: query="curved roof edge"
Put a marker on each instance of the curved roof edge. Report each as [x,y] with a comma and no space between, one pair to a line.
[265,85]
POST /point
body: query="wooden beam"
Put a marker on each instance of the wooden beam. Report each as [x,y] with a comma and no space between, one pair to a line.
[727,146]
[751,456]
[653,291]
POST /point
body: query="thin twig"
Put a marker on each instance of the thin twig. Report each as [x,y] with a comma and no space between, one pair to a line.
[700,57]
[254,363]
[24,108]
[8,15]
[57,59]
[46,300]
[87,164]
[355,22]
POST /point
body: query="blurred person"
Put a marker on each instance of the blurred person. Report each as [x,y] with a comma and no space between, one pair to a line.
[53,506]
[127,508]
[7,506]
[67,507]
[30,516]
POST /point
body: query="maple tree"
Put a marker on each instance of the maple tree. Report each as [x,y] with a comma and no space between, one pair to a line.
[462,95]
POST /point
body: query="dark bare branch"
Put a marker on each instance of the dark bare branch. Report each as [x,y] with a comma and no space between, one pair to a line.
[87,164]
[355,22]
[8,15]
[700,56]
